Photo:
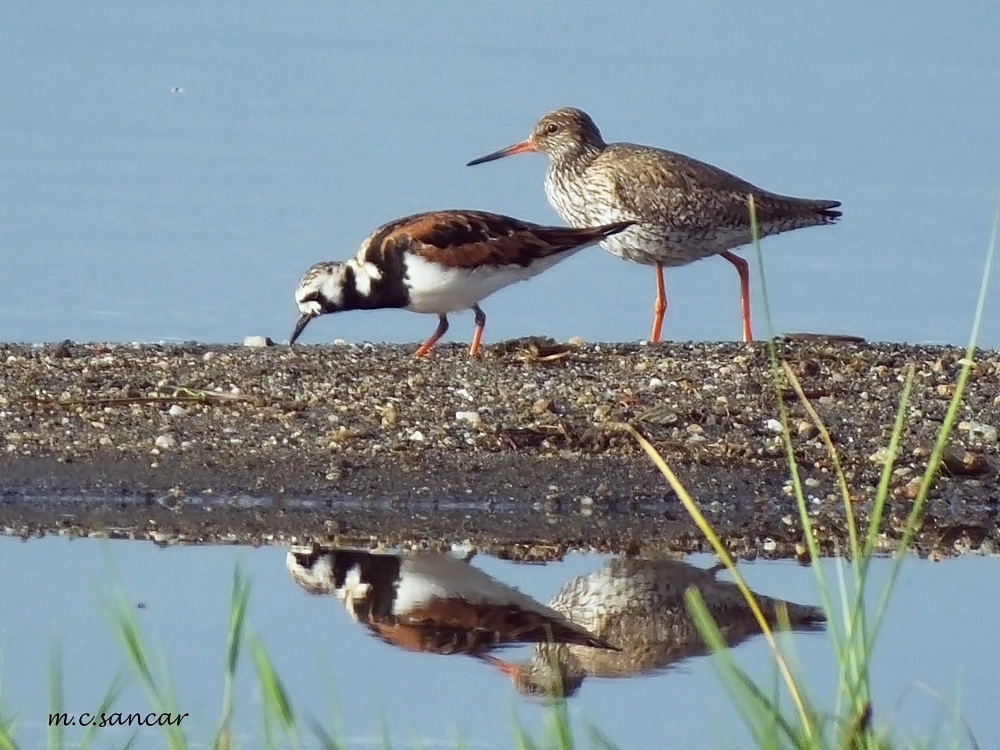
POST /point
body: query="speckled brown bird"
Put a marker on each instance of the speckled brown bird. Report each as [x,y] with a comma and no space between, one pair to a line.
[430,602]
[439,262]
[684,209]
[638,606]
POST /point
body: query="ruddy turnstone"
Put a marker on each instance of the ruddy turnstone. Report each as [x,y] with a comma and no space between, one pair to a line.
[432,602]
[638,604]
[439,262]
[684,209]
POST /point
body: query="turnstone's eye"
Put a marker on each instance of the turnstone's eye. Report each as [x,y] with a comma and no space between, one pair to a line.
[552,128]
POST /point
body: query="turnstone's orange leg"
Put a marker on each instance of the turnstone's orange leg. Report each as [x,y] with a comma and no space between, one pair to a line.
[480,324]
[659,306]
[744,271]
[426,346]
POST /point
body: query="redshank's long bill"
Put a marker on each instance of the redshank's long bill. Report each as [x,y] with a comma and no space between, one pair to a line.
[684,209]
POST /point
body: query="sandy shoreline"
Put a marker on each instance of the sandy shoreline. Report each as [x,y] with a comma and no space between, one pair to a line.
[518,447]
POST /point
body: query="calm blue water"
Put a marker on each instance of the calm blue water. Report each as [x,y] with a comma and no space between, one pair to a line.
[940,632]
[169,171]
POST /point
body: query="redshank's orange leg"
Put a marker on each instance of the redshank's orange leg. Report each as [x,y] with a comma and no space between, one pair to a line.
[426,346]
[480,324]
[659,306]
[743,269]
[509,668]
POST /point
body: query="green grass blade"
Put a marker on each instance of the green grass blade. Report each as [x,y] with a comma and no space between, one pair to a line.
[559,724]
[56,732]
[238,603]
[7,735]
[273,692]
[161,699]
[108,701]
[700,521]
[760,713]
[599,740]
[950,418]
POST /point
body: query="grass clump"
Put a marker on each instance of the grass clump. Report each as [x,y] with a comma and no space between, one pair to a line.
[850,725]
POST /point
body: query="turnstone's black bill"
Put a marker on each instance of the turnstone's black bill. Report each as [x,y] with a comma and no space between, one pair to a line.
[684,209]
[432,602]
[638,604]
[439,262]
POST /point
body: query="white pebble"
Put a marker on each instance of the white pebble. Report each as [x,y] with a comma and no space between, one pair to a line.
[177,411]
[978,430]
[472,417]
[257,342]
[165,441]
[774,426]
[417,436]
[209,356]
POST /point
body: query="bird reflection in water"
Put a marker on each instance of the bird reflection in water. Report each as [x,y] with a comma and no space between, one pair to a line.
[432,602]
[625,619]
[638,605]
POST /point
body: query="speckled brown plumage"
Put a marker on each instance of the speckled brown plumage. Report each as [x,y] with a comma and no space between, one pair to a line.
[684,209]
[638,605]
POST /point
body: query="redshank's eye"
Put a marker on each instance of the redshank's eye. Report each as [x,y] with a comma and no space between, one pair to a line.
[552,128]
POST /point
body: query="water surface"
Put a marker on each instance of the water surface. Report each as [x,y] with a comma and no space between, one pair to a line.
[939,632]
[170,172]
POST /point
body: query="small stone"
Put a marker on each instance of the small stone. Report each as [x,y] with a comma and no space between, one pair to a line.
[774,426]
[177,411]
[472,417]
[541,406]
[807,429]
[209,356]
[388,414]
[811,482]
[417,436]
[257,342]
[602,412]
[62,350]
[908,491]
[165,441]
[880,457]
[961,462]
[978,431]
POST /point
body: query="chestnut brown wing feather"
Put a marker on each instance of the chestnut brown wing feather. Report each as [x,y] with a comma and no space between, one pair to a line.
[467,627]
[469,239]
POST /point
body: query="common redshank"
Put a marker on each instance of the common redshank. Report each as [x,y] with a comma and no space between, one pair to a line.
[638,605]
[439,262]
[684,209]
